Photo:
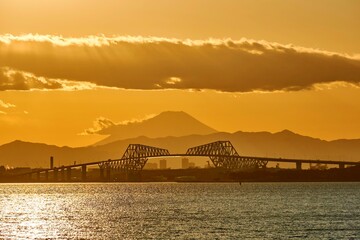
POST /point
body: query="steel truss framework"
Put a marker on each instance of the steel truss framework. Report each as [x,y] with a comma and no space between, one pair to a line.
[134,158]
[221,153]
[224,155]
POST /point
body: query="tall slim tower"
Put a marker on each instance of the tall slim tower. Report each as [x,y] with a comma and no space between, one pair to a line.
[51,162]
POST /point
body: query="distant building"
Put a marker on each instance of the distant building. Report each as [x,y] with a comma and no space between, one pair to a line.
[318,166]
[185,163]
[162,164]
[150,166]
[191,165]
[208,165]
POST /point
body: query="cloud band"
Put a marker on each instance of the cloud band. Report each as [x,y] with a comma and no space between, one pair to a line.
[159,63]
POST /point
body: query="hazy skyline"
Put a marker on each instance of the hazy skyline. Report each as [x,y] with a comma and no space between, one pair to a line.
[234,65]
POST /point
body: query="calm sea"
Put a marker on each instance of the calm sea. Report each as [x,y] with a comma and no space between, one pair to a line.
[180,211]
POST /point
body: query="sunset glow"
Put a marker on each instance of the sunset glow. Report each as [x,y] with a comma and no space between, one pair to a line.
[256,71]
[179,119]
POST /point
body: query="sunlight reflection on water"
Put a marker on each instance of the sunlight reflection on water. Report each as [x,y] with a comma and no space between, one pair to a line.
[180,211]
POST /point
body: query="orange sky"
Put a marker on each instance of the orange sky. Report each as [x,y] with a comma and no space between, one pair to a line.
[234,65]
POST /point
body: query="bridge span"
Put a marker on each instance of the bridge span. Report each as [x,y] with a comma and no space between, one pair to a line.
[221,153]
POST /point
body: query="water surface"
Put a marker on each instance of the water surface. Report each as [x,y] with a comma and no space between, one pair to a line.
[180,211]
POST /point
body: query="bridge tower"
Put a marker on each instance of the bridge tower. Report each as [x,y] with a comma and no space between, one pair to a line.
[224,155]
[135,158]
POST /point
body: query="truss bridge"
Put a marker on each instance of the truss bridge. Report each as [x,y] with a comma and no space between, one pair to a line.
[221,153]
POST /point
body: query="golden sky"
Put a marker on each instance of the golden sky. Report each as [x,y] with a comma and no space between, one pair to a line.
[235,65]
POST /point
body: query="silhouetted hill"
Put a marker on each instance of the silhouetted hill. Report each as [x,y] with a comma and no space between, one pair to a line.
[26,154]
[285,144]
[165,124]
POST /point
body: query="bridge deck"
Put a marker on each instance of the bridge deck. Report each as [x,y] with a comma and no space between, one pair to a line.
[200,155]
[289,160]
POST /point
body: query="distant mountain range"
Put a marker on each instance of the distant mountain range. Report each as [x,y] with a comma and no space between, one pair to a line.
[285,144]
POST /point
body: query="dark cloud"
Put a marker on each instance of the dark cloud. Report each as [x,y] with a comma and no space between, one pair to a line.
[17,80]
[154,63]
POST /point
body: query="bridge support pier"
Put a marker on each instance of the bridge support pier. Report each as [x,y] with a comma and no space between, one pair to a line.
[46,176]
[83,173]
[108,173]
[68,174]
[298,165]
[56,174]
[62,174]
[341,165]
[102,178]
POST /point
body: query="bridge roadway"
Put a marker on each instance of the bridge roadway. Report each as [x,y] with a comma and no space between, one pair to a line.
[84,166]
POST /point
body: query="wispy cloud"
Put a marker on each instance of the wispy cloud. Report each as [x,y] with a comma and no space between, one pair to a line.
[6,105]
[102,124]
[52,62]
[99,124]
